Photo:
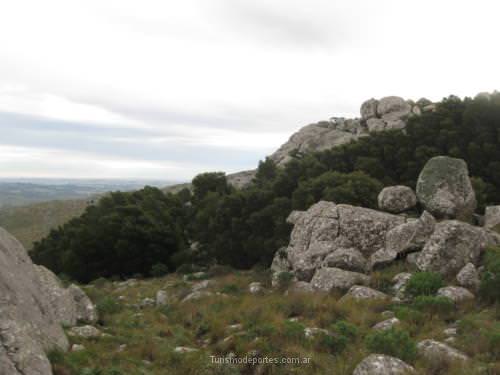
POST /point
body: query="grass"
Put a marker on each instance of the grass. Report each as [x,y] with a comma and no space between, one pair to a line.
[142,341]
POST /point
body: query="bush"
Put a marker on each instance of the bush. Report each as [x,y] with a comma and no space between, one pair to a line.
[393,342]
[108,306]
[159,270]
[409,315]
[489,289]
[440,306]
[284,280]
[423,284]
[293,330]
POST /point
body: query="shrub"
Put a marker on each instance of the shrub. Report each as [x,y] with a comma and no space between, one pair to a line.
[409,315]
[284,280]
[393,342]
[231,289]
[440,306]
[490,282]
[159,270]
[332,343]
[293,330]
[108,306]
[346,329]
[424,284]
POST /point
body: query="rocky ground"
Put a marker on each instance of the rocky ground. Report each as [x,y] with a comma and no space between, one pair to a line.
[173,325]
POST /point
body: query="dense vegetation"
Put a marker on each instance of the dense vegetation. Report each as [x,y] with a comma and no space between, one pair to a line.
[124,234]
[245,227]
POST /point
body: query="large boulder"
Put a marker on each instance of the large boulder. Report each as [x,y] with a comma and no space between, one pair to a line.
[32,313]
[369,109]
[468,277]
[397,199]
[328,279]
[452,245]
[326,227]
[379,364]
[363,293]
[393,108]
[456,293]
[445,190]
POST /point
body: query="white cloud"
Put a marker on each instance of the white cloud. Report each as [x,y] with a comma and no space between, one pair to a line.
[236,73]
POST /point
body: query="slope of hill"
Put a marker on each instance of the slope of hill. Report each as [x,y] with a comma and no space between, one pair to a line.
[33,222]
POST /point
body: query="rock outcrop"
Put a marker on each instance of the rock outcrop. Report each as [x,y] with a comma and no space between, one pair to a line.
[33,307]
[445,190]
[492,218]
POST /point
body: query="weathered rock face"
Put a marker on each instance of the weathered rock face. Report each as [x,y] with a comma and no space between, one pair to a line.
[468,277]
[492,218]
[452,245]
[379,364]
[445,190]
[397,199]
[327,227]
[347,259]
[31,311]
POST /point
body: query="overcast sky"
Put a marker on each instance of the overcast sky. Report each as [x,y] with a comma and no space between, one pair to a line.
[167,89]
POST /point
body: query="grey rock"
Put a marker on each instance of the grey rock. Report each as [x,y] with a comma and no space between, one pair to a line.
[77,347]
[456,293]
[202,285]
[199,294]
[86,332]
[255,288]
[397,199]
[359,293]
[412,258]
[369,109]
[241,179]
[326,227]
[162,298]
[452,245]
[439,352]
[379,364]
[422,102]
[147,302]
[445,190]
[30,325]
[468,277]
[294,216]
[311,332]
[386,324]
[492,218]
[375,125]
[393,107]
[184,349]
[396,124]
[328,279]
[400,281]
[348,259]
[450,331]
[429,108]
[387,314]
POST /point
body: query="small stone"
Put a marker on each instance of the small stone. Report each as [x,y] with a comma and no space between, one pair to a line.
[184,349]
[255,288]
[359,293]
[86,331]
[147,302]
[77,347]
[387,324]
[311,332]
[379,364]
[161,298]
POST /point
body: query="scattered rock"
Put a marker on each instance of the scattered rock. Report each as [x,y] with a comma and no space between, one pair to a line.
[456,293]
[358,292]
[201,285]
[445,190]
[348,259]
[492,218]
[450,331]
[379,364]
[86,332]
[311,333]
[184,349]
[439,352]
[328,279]
[387,314]
[468,277]
[77,347]
[147,302]
[161,298]
[387,324]
[452,245]
[255,288]
[397,199]
[197,295]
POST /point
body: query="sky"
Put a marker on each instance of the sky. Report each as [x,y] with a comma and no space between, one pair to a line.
[155,89]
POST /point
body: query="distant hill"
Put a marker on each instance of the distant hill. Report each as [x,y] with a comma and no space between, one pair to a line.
[32,222]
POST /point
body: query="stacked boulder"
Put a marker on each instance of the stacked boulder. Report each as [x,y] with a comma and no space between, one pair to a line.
[336,246]
[33,308]
[388,113]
